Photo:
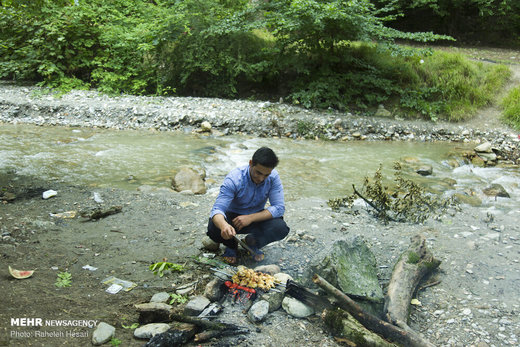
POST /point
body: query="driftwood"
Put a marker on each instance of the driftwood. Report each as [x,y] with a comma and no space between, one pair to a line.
[371,322]
[413,265]
[99,213]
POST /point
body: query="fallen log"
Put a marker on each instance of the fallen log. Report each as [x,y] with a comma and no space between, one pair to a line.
[371,322]
[342,323]
[344,326]
[99,213]
[413,265]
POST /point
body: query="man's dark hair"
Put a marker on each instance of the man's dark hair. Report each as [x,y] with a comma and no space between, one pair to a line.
[265,157]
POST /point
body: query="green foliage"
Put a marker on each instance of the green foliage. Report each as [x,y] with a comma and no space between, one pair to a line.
[405,202]
[317,54]
[64,279]
[304,128]
[178,299]
[115,342]
[511,106]
[495,22]
[160,267]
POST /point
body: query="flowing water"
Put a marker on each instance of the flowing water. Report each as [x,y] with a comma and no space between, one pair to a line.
[128,159]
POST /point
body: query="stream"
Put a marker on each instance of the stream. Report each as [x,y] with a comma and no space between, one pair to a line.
[309,168]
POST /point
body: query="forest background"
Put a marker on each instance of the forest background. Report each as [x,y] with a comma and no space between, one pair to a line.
[343,54]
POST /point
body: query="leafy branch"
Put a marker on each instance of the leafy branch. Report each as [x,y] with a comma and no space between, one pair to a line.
[407,202]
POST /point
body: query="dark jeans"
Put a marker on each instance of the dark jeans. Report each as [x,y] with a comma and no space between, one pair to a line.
[263,233]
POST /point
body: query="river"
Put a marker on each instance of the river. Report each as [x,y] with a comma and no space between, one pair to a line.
[309,168]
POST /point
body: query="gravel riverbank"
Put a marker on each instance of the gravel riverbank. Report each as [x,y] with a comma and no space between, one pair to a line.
[476,301]
[33,105]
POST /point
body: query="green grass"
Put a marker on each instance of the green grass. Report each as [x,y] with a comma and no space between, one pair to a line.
[421,83]
[511,106]
[455,85]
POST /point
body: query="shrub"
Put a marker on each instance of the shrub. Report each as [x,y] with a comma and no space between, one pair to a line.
[406,202]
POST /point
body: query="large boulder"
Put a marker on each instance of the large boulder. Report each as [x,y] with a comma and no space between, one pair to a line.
[188,179]
[351,267]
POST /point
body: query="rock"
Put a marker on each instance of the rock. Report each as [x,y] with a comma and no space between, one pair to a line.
[488,157]
[161,297]
[258,311]
[496,189]
[282,277]
[425,170]
[104,332]
[152,312]
[196,305]
[8,196]
[484,148]
[153,306]
[351,267]
[382,112]
[471,200]
[268,269]
[205,126]
[478,161]
[150,330]
[212,310]
[296,308]
[49,194]
[274,299]
[188,179]
[185,290]
[214,290]
[209,244]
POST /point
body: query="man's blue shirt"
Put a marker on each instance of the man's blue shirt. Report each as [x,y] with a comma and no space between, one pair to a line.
[239,194]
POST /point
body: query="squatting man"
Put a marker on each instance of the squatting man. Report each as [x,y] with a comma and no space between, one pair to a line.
[240,207]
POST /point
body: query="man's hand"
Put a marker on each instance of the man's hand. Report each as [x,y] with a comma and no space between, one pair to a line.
[242,221]
[227,231]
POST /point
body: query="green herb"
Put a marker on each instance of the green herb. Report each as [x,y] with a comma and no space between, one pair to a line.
[160,267]
[177,299]
[64,280]
[115,342]
[132,326]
